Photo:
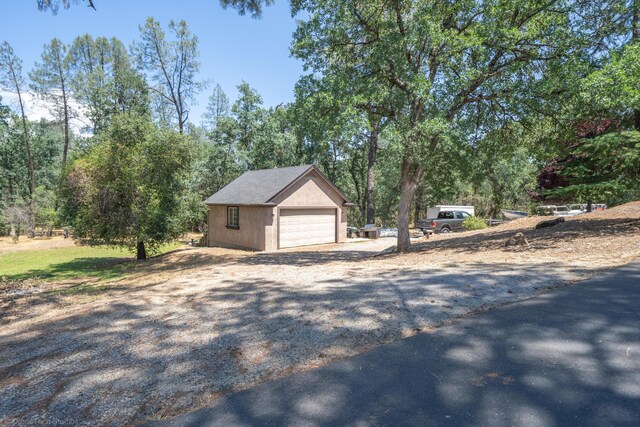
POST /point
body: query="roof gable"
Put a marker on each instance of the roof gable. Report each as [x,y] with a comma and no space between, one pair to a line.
[262,186]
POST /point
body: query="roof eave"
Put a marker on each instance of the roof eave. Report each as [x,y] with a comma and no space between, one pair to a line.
[312,167]
[268,204]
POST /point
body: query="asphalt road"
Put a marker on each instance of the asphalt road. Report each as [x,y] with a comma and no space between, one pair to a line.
[566,358]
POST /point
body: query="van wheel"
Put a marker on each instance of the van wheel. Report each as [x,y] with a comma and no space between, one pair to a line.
[445,230]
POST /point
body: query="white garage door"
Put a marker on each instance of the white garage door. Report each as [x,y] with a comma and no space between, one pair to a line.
[299,227]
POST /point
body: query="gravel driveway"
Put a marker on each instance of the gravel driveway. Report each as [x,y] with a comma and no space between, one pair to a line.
[190,326]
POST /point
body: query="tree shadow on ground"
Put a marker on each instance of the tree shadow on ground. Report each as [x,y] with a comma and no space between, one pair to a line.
[304,257]
[160,351]
[564,358]
[460,242]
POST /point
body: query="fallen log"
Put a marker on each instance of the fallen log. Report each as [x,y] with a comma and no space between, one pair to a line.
[549,223]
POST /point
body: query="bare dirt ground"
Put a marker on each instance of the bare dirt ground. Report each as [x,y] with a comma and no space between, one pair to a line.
[190,326]
[25,244]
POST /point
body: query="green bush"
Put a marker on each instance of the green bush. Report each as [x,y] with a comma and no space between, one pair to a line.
[474,223]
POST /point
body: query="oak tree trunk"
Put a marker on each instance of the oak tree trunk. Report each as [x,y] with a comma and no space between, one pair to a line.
[409,179]
[141,252]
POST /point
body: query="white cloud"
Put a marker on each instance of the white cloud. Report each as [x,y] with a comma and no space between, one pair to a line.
[37,109]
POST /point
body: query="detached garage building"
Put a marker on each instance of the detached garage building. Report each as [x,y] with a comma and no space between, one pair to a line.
[279,208]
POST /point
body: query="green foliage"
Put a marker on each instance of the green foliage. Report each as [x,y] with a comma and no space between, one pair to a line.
[4,225]
[605,169]
[248,115]
[217,108]
[501,171]
[245,137]
[46,214]
[11,79]
[47,145]
[470,99]
[17,218]
[12,166]
[253,7]
[51,77]
[128,190]
[440,71]
[474,223]
[613,90]
[388,186]
[274,144]
[104,80]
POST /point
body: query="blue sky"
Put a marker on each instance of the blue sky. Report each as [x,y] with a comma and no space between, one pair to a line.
[232,47]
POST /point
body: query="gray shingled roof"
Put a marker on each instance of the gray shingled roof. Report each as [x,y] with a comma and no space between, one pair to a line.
[257,187]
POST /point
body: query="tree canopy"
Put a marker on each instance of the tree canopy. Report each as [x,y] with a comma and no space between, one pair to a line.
[128,190]
[403,104]
[451,70]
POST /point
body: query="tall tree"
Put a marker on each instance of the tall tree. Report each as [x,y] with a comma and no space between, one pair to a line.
[224,160]
[376,124]
[322,105]
[171,64]
[217,107]
[104,81]
[50,80]
[440,61]
[128,190]
[247,111]
[8,158]
[274,141]
[635,38]
[11,79]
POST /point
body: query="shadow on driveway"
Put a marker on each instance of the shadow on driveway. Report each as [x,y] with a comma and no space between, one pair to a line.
[570,357]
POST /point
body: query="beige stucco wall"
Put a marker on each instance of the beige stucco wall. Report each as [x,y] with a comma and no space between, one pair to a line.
[312,191]
[258,226]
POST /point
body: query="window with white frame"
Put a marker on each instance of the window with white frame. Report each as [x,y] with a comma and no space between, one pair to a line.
[233,214]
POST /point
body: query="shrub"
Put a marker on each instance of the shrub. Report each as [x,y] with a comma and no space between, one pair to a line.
[474,223]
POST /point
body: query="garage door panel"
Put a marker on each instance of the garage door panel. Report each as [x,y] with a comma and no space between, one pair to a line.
[300,227]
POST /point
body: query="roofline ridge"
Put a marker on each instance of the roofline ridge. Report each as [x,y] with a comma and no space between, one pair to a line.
[284,167]
[304,170]
[293,181]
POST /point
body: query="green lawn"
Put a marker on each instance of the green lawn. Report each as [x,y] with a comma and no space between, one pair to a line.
[103,262]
